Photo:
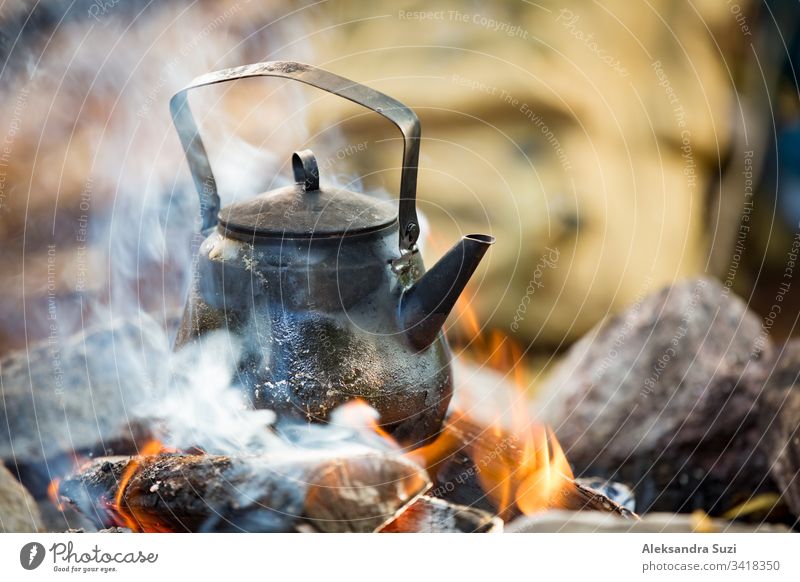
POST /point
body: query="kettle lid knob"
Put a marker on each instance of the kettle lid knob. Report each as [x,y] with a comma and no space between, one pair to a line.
[306,170]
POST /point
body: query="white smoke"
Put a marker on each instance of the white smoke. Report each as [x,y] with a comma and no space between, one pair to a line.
[99,98]
[197,406]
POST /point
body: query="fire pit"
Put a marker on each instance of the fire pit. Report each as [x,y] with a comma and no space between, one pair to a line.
[201,458]
[351,488]
[310,386]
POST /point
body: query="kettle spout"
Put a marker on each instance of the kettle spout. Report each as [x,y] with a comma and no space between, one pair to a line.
[425,306]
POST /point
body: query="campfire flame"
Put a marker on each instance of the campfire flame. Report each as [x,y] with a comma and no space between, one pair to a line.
[518,462]
[52,494]
[53,487]
[546,471]
[122,515]
[361,417]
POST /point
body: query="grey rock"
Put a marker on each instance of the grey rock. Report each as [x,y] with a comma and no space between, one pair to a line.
[76,393]
[18,510]
[663,397]
[559,521]
[780,416]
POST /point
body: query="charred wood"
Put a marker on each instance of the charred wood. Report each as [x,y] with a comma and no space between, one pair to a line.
[431,515]
[279,493]
[469,455]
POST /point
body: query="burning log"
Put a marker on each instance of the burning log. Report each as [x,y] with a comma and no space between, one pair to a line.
[617,492]
[276,493]
[664,397]
[505,473]
[581,497]
[431,515]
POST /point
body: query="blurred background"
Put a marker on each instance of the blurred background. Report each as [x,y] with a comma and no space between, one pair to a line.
[611,147]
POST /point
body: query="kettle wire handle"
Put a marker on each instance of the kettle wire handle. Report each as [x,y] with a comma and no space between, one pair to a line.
[400,115]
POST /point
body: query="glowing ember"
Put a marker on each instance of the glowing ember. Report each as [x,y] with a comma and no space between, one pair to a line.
[52,494]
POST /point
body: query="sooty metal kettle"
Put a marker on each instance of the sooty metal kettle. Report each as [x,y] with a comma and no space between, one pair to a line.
[311,280]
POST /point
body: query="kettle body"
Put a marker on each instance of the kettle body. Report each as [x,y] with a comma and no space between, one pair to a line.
[318,326]
[324,290]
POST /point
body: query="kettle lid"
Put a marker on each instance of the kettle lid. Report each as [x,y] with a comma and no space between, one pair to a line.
[304,210]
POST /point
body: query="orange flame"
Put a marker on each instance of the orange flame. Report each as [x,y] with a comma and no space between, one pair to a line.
[517,462]
[359,415]
[125,517]
[547,474]
[53,487]
[52,493]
